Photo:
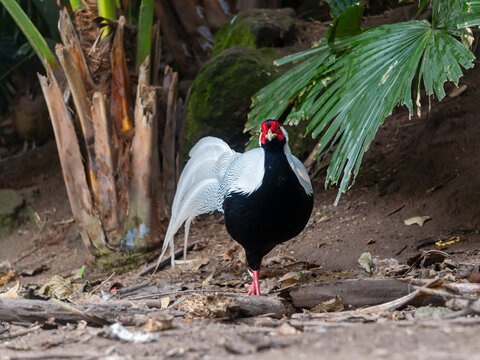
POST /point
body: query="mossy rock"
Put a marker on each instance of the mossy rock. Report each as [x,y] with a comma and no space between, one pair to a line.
[221,93]
[121,261]
[10,204]
[256,29]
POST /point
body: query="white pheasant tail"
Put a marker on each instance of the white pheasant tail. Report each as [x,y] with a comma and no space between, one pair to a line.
[198,191]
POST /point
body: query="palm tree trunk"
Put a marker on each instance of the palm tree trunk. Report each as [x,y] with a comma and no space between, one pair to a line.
[109,147]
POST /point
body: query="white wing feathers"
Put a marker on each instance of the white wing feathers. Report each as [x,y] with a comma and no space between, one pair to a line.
[299,170]
[198,191]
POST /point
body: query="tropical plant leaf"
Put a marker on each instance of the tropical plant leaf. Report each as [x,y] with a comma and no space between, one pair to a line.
[347,23]
[346,94]
[144,38]
[30,31]
[421,5]
[76,5]
[106,10]
[339,6]
[470,15]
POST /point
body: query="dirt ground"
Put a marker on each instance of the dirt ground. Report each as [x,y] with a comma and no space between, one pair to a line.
[415,167]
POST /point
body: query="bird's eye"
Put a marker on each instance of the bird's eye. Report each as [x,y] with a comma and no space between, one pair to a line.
[274,126]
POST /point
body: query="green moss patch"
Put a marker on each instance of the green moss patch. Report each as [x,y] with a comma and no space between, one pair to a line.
[255,29]
[221,93]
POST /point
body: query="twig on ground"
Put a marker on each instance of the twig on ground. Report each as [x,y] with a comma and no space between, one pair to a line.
[20,333]
[396,210]
[27,254]
[460,313]
[124,292]
[102,283]
[441,293]
[85,316]
[6,328]
[179,301]
[179,292]
[441,183]
[64,222]
[401,250]
[162,263]
[50,355]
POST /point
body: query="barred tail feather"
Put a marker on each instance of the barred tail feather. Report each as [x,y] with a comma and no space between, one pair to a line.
[198,191]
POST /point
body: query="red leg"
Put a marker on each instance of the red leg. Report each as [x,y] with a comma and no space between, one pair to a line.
[254,288]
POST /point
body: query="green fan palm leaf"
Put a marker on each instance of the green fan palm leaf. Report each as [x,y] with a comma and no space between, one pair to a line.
[346,91]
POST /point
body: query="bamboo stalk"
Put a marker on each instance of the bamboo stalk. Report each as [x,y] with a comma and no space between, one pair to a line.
[78,192]
[139,221]
[82,106]
[72,44]
[103,150]
[120,90]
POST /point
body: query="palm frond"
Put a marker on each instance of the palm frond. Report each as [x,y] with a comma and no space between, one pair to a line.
[30,31]
[347,23]
[337,7]
[346,92]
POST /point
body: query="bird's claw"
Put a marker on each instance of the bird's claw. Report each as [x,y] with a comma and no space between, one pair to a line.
[254,287]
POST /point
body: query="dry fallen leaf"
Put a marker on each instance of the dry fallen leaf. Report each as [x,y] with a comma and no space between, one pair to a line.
[457,91]
[389,267]
[193,263]
[158,322]
[431,313]
[59,288]
[267,285]
[229,254]
[6,277]
[36,269]
[164,302]
[12,292]
[285,329]
[475,276]
[295,277]
[419,220]
[333,305]
[365,261]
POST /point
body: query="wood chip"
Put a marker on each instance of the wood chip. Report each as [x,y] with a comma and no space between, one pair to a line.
[419,220]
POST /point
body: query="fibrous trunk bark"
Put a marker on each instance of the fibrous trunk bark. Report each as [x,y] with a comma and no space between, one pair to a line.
[88,223]
[109,147]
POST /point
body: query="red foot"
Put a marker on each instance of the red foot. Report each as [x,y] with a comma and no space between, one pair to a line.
[254,288]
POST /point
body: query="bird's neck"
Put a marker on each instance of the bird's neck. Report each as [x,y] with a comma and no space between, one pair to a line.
[277,169]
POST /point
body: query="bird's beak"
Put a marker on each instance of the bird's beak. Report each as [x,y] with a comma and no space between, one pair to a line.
[270,135]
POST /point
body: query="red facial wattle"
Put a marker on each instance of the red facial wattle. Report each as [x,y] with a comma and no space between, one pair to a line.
[274,127]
